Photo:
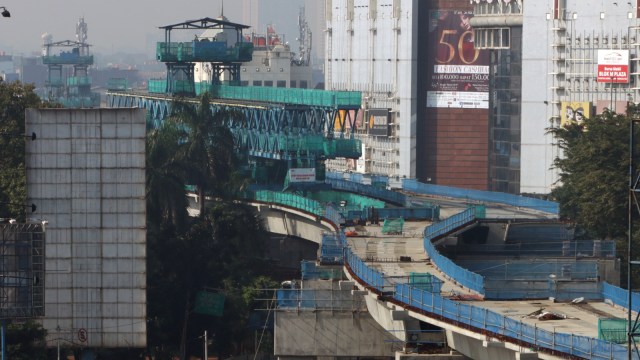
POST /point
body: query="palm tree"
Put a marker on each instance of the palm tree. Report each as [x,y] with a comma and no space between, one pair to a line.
[209,155]
[166,196]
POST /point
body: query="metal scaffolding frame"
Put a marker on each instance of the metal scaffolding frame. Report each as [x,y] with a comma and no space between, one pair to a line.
[21,271]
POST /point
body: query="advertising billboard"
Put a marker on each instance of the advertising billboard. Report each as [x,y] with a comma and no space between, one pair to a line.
[458,73]
[574,112]
[613,66]
[379,122]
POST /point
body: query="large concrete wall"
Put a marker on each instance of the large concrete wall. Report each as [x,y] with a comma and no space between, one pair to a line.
[331,333]
[86,174]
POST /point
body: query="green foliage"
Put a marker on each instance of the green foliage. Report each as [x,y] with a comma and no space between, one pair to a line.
[221,250]
[15,97]
[594,174]
[166,196]
[26,341]
[209,154]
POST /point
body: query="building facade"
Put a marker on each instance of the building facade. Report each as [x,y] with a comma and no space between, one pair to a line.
[371,46]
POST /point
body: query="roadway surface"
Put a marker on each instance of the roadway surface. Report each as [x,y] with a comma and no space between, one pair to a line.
[383,253]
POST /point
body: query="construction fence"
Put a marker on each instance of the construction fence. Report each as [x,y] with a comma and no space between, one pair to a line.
[414,186]
[620,296]
[481,318]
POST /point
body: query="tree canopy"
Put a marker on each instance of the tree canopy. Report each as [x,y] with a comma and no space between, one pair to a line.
[208,151]
[594,174]
[593,189]
[15,97]
[221,250]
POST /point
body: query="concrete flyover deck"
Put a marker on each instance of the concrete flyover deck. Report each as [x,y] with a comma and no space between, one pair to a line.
[397,256]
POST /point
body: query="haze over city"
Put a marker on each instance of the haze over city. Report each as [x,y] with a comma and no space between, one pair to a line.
[127,26]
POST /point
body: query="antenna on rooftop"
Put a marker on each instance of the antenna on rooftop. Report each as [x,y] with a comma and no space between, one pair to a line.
[222,9]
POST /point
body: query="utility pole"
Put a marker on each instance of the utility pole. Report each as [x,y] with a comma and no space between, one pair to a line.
[206,356]
[58,340]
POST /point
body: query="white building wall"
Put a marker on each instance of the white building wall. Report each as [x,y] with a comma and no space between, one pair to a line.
[372,48]
[86,174]
[550,48]
[537,150]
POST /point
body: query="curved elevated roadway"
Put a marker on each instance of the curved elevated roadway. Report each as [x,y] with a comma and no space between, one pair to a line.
[508,330]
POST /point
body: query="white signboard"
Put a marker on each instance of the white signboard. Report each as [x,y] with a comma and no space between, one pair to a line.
[613,66]
[458,99]
[302,175]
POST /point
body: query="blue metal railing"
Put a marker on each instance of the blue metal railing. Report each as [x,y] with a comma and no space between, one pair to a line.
[482,318]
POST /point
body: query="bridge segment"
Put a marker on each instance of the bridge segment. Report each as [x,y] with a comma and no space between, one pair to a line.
[276,129]
[381,266]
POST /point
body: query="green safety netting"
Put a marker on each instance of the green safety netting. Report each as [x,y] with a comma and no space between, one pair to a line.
[614,330]
[345,198]
[347,148]
[292,200]
[322,98]
[203,51]
[78,80]
[425,281]
[393,226]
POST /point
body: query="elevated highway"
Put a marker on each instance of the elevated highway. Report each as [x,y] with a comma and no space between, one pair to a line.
[380,267]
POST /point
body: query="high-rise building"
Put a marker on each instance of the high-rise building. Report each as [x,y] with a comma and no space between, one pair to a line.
[463,93]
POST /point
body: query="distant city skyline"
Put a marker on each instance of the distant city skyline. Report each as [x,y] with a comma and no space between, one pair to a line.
[133,27]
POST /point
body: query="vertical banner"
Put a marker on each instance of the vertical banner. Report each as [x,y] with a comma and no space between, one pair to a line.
[458,72]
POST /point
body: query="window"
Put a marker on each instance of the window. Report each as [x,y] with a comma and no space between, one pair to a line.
[268,83]
[257,83]
[303,84]
[244,83]
[293,84]
[282,84]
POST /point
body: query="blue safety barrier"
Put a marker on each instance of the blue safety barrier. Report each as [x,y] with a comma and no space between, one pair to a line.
[455,272]
[620,296]
[425,213]
[482,318]
[478,195]
[370,276]
[331,248]
[368,190]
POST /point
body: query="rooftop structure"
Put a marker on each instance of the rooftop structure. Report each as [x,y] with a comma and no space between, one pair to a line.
[74,90]
[222,48]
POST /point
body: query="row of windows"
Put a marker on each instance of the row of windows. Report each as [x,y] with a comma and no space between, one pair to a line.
[280,83]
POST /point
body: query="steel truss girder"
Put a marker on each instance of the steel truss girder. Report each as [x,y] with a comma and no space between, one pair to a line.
[266,131]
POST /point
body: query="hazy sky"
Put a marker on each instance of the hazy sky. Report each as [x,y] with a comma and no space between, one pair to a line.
[123,26]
